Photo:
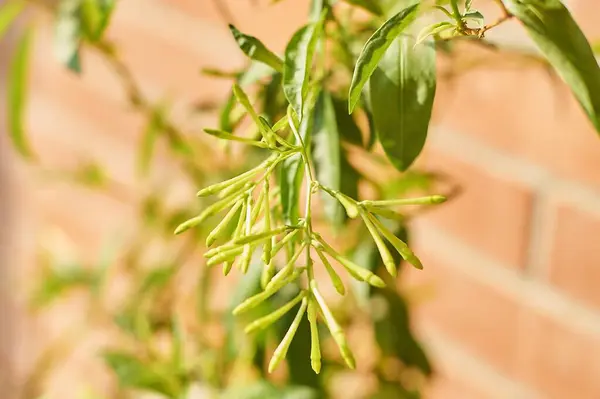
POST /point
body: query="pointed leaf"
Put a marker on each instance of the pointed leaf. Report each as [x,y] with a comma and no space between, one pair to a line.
[8,13]
[433,29]
[256,50]
[560,39]
[298,61]
[331,165]
[291,172]
[374,50]
[146,151]
[402,90]
[17,95]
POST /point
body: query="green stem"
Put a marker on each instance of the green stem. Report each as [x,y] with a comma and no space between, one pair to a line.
[456,14]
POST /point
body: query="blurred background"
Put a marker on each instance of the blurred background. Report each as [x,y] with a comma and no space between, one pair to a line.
[508,305]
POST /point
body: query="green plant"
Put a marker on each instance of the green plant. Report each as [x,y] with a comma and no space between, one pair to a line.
[382,70]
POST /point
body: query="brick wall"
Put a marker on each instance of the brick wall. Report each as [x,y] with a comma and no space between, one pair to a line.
[512,267]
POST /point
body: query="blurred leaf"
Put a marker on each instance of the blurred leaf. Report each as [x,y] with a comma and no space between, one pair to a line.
[402,89]
[387,308]
[246,287]
[370,5]
[298,60]
[375,48]
[156,279]
[91,174]
[59,279]
[256,50]
[560,39]
[17,94]
[134,373]
[298,359]
[8,13]
[394,391]
[178,354]
[265,390]
[291,172]
[331,165]
[95,16]
[67,34]
[151,132]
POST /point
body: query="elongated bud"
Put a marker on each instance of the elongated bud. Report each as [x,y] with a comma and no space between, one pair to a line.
[266,321]
[220,249]
[259,298]
[248,248]
[430,200]
[225,256]
[281,350]
[386,213]
[287,269]
[215,188]
[267,273]
[386,256]
[400,246]
[236,188]
[220,229]
[228,136]
[288,238]
[334,327]
[335,278]
[210,211]
[227,267]
[257,208]
[266,256]
[355,271]
[315,346]
[255,238]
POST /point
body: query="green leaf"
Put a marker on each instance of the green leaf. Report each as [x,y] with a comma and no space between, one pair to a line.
[402,90]
[8,13]
[134,373]
[370,5]
[95,16]
[433,29]
[256,50]
[331,165]
[60,279]
[298,61]
[291,172]
[17,95]
[561,41]
[67,34]
[374,50]
[474,16]
[146,149]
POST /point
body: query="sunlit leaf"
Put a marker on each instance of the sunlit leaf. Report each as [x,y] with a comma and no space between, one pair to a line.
[17,95]
[402,90]
[9,11]
[298,61]
[561,41]
[256,50]
[374,50]
[331,165]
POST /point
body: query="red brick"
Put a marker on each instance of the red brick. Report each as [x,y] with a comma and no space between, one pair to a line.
[560,362]
[490,213]
[474,315]
[522,109]
[574,258]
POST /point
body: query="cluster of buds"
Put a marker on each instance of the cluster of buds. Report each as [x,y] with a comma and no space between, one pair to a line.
[251,199]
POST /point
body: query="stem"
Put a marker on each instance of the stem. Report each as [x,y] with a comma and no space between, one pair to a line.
[456,14]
